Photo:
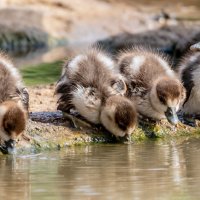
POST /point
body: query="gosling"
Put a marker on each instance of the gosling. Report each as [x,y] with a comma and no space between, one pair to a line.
[85,80]
[13,105]
[152,84]
[189,72]
[87,85]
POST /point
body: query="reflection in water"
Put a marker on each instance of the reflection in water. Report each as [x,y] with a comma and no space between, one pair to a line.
[144,171]
[14,179]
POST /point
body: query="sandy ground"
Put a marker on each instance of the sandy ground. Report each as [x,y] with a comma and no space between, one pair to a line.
[42,98]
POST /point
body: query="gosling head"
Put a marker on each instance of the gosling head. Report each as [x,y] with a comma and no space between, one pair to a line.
[12,124]
[118,115]
[167,96]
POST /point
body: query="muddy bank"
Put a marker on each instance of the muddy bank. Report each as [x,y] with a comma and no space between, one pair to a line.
[47,129]
[50,131]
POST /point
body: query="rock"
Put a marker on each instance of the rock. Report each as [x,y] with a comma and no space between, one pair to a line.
[21,42]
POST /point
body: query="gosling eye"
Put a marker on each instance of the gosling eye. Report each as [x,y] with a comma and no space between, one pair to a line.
[8,128]
[162,100]
[122,127]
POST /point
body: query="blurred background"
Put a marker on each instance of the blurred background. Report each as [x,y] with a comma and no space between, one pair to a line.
[35,32]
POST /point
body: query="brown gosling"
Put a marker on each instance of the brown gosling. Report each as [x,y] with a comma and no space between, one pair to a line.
[119,116]
[153,85]
[189,72]
[13,105]
[86,83]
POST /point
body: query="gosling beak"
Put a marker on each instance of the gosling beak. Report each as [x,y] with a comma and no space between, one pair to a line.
[9,147]
[126,139]
[171,115]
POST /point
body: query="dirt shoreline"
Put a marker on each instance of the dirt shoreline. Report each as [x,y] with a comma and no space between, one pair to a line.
[42,98]
[48,130]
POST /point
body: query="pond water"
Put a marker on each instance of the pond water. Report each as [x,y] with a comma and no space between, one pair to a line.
[150,170]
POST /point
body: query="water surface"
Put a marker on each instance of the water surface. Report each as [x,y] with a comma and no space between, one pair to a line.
[149,170]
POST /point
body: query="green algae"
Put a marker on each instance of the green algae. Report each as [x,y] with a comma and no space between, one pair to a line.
[45,73]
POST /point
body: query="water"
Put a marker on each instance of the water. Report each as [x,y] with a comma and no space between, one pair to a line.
[149,170]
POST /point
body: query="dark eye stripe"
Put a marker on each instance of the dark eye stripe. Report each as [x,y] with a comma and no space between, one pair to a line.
[7,131]
[122,126]
[162,100]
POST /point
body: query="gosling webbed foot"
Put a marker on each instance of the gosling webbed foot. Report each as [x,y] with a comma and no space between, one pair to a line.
[76,122]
